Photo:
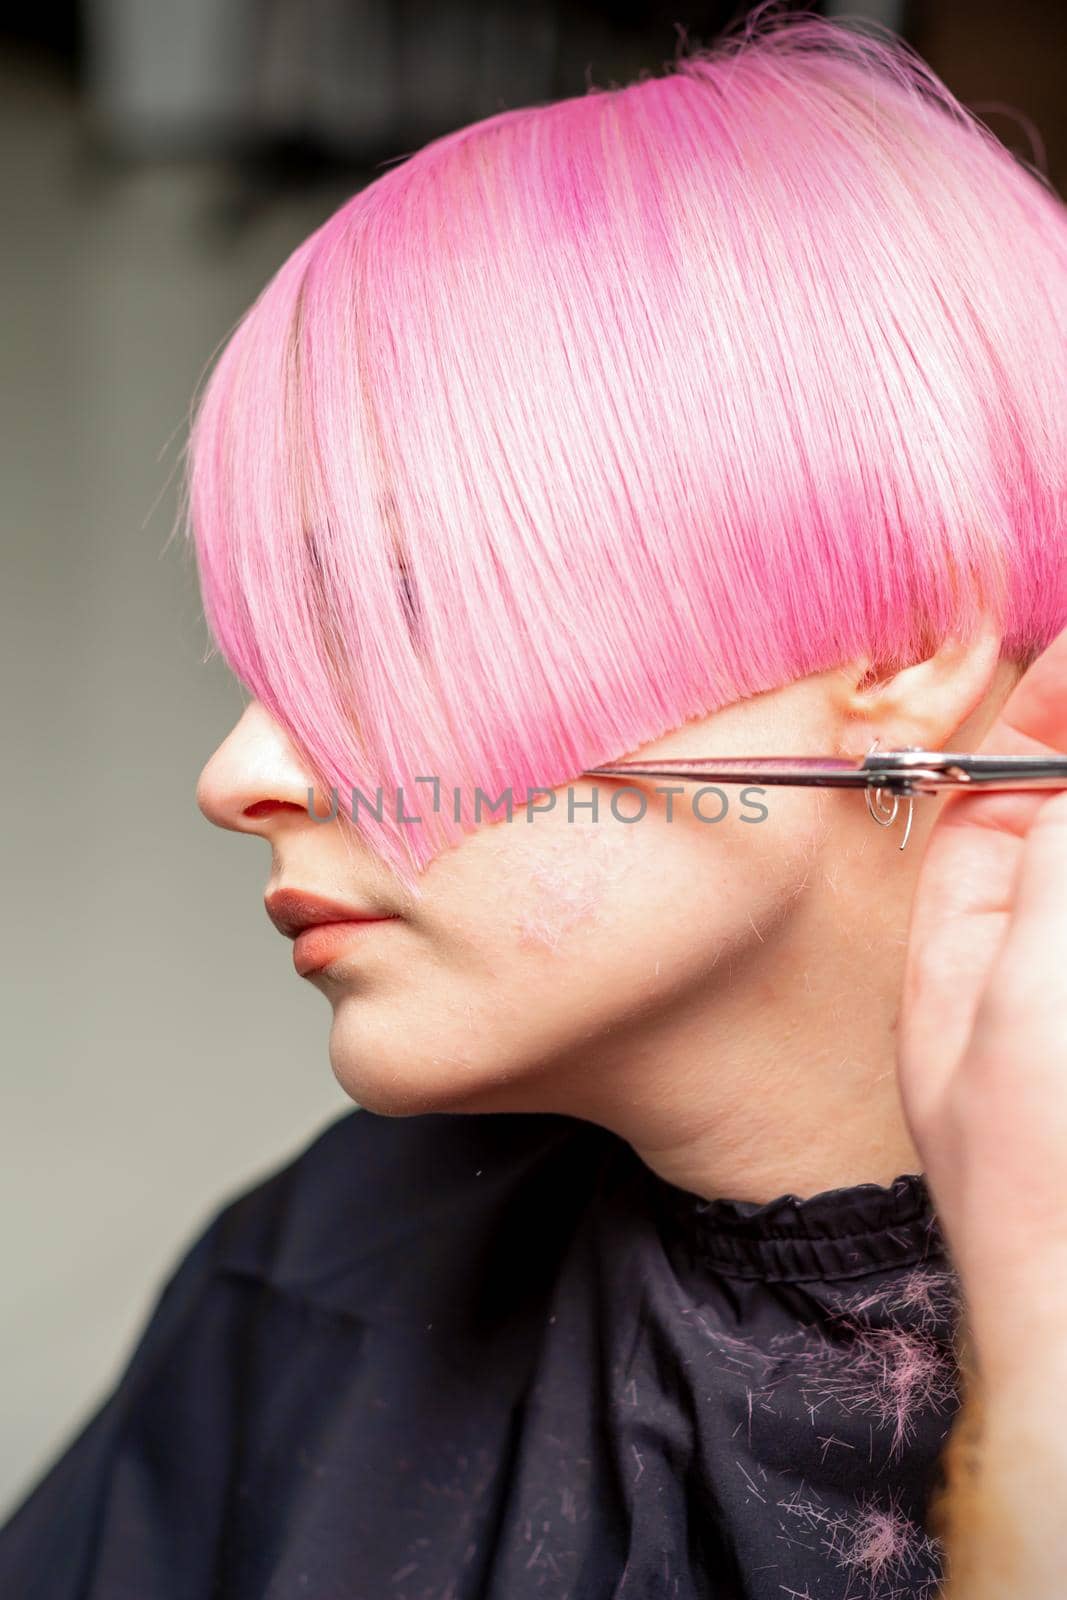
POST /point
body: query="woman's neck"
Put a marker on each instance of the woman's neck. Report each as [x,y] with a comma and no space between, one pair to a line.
[783,1079]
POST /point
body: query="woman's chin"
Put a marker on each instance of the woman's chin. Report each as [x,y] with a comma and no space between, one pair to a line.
[395,1084]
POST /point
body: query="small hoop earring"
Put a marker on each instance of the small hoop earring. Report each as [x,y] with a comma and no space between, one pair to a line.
[882,812]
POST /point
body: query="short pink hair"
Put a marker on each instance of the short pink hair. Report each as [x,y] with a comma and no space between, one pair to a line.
[593,417]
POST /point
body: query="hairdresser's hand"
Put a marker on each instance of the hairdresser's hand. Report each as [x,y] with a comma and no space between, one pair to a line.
[983,1041]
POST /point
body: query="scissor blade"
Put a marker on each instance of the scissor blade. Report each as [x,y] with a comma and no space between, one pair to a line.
[803,770]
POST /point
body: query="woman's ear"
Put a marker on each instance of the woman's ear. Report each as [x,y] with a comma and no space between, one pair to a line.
[925,704]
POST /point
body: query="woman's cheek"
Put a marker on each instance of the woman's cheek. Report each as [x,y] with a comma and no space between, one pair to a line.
[570,881]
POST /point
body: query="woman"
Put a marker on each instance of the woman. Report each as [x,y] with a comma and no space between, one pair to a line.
[715,415]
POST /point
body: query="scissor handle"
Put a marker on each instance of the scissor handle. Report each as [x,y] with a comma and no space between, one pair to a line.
[915,771]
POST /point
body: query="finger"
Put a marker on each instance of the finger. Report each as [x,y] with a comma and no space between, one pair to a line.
[965,872]
[959,918]
[989,916]
[1033,720]
[962,908]
[1013,1070]
[1031,969]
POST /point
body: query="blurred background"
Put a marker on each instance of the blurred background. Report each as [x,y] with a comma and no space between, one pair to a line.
[158,162]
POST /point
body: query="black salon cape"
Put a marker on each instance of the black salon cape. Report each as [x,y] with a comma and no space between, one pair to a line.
[494,1357]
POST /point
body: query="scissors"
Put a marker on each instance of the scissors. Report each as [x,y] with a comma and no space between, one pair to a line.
[908,772]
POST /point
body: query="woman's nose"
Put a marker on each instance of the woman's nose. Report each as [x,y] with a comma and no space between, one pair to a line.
[254,775]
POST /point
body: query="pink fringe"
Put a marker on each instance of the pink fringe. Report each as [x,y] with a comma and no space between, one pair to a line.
[594,417]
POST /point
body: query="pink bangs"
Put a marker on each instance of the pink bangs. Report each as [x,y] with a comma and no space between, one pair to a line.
[595,417]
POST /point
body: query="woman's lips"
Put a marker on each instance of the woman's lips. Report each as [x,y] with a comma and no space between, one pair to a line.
[316,947]
[321,928]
